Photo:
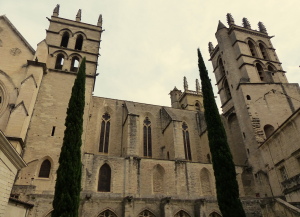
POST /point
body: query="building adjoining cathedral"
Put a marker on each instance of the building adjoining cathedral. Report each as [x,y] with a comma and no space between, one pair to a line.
[139,159]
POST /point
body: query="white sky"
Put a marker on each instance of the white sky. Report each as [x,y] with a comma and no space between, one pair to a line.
[148,46]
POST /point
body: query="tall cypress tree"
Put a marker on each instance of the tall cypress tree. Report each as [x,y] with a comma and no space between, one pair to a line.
[68,182]
[224,169]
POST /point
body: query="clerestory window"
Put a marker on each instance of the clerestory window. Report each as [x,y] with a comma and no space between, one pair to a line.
[104,134]
[186,142]
[147,138]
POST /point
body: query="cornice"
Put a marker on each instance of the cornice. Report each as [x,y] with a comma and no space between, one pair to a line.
[10,152]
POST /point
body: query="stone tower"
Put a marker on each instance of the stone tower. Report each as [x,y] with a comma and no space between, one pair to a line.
[66,43]
[188,99]
[255,94]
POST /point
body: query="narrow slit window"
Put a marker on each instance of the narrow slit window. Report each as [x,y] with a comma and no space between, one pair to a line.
[147,138]
[104,134]
[53,131]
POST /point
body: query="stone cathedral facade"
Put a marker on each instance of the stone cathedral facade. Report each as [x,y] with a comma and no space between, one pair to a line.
[147,160]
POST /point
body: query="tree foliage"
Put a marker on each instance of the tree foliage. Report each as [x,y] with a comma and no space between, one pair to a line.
[224,169]
[68,182]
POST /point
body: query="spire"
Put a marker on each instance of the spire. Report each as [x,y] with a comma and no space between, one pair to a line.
[221,26]
[100,20]
[246,23]
[56,11]
[210,47]
[185,84]
[78,16]
[262,27]
[197,86]
[230,19]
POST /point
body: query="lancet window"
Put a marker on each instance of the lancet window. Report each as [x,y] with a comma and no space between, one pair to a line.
[104,134]
[104,178]
[45,169]
[147,138]
[186,142]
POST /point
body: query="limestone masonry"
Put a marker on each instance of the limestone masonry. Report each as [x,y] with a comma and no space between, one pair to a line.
[139,159]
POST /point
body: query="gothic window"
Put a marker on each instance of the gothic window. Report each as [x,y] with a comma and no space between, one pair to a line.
[182,213]
[205,182]
[104,178]
[147,138]
[65,39]
[158,179]
[252,48]
[222,69]
[271,69]
[186,142]
[283,173]
[146,213]
[104,134]
[227,90]
[45,169]
[107,213]
[268,129]
[197,106]
[79,41]
[59,61]
[74,64]
[263,51]
[260,71]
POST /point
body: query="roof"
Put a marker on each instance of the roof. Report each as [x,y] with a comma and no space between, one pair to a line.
[17,33]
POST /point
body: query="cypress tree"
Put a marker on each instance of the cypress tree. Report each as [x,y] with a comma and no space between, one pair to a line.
[224,169]
[68,182]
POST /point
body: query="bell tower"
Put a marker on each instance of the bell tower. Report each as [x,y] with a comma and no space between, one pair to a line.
[255,94]
[67,43]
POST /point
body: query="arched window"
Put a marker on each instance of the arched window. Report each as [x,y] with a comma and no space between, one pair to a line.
[74,64]
[252,48]
[214,214]
[79,41]
[222,69]
[147,138]
[158,179]
[107,213]
[208,158]
[104,134]
[59,61]
[65,39]
[268,129]
[182,213]
[197,106]
[186,142]
[260,71]
[271,69]
[248,97]
[205,182]
[227,90]
[104,178]
[263,51]
[45,169]
[146,213]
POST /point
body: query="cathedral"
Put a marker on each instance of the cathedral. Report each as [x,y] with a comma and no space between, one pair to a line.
[142,160]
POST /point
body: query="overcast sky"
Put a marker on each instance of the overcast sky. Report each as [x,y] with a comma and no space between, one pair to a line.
[148,46]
